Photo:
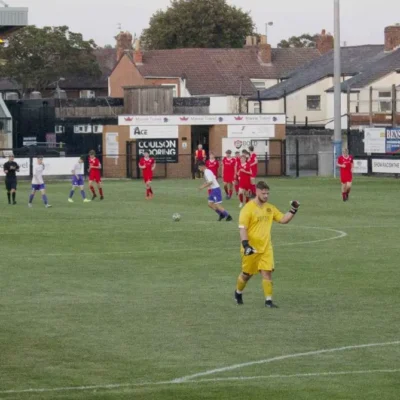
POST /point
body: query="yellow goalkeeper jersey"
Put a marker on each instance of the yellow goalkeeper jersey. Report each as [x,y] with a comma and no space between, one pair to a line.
[258,222]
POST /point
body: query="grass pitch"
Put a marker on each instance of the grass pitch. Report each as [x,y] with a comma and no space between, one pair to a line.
[116,293]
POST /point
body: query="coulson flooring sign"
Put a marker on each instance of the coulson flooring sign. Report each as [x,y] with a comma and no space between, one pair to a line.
[162,150]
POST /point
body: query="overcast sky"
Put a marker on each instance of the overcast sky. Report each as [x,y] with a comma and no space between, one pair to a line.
[362,21]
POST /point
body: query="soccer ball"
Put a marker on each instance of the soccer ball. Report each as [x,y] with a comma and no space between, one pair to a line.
[176,217]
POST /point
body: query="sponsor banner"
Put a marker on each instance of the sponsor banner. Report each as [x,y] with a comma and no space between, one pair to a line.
[386,166]
[251,131]
[248,119]
[392,136]
[360,166]
[260,146]
[59,165]
[162,150]
[154,131]
[24,164]
[374,140]
[112,147]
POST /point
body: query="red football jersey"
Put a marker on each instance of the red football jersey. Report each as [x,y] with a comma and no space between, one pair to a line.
[229,167]
[147,164]
[238,162]
[213,166]
[252,160]
[244,179]
[348,162]
[94,162]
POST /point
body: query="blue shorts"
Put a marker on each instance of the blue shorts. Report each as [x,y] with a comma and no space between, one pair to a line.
[38,187]
[215,196]
[77,181]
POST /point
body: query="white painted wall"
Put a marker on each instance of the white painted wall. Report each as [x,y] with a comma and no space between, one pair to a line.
[224,104]
[184,91]
[384,85]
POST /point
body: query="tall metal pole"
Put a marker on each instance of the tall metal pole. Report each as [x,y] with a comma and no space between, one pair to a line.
[337,141]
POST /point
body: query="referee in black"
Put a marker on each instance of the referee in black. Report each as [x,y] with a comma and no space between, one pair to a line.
[10,169]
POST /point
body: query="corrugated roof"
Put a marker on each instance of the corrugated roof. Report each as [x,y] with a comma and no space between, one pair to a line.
[353,59]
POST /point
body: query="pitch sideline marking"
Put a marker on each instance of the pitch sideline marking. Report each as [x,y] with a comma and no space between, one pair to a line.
[340,235]
[280,358]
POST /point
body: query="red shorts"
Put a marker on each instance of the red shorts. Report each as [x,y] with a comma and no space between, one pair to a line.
[245,185]
[95,178]
[346,178]
[147,177]
[229,178]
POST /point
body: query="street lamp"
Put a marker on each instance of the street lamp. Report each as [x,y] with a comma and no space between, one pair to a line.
[270,23]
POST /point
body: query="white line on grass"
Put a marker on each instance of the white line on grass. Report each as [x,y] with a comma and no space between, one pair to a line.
[340,234]
[280,358]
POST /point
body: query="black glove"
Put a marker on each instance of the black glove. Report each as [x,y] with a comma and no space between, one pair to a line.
[248,250]
[294,206]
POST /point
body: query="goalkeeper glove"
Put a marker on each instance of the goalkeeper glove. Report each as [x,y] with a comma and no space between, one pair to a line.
[248,250]
[294,206]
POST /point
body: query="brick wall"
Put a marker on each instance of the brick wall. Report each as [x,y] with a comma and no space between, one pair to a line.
[217,132]
[392,37]
[116,168]
[184,167]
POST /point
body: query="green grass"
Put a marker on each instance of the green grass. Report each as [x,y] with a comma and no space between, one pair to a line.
[115,292]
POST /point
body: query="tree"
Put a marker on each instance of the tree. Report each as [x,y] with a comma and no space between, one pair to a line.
[305,40]
[36,57]
[198,23]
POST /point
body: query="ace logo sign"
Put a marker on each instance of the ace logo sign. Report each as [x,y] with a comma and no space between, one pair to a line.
[154,132]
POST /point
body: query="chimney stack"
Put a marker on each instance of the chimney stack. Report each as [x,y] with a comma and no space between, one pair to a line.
[324,42]
[392,37]
[137,55]
[264,50]
[124,43]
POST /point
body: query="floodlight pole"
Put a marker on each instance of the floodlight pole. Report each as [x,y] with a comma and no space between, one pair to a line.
[337,138]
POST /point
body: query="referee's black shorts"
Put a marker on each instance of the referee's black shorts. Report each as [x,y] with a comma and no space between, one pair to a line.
[11,184]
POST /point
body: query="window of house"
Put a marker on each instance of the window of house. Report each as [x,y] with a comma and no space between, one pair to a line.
[174,88]
[87,94]
[256,107]
[313,103]
[385,101]
[258,84]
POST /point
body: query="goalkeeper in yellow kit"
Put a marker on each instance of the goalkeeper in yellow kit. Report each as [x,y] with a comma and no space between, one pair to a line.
[255,223]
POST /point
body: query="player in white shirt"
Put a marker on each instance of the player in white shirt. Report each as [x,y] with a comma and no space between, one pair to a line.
[38,183]
[78,181]
[215,195]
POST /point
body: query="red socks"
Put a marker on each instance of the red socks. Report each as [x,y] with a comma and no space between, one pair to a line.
[247,200]
[253,189]
[344,195]
[92,190]
[241,198]
[147,192]
[237,189]
[226,190]
[230,193]
[151,191]
[101,191]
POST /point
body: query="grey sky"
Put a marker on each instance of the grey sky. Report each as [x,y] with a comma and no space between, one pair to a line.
[363,21]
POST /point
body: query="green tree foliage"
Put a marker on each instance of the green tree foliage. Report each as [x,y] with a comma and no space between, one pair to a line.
[305,40]
[36,57]
[198,23]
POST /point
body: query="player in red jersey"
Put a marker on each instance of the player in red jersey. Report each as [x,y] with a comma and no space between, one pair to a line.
[95,175]
[147,165]
[253,161]
[244,180]
[213,164]
[199,156]
[228,173]
[237,159]
[345,163]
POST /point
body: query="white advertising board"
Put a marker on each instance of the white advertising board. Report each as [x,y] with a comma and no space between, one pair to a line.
[360,166]
[386,166]
[260,146]
[154,132]
[248,119]
[251,131]
[59,165]
[374,140]
[23,163]
[112,147]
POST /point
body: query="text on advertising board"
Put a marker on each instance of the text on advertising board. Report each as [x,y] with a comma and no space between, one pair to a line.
[392,136]
[162,150]
[386,166]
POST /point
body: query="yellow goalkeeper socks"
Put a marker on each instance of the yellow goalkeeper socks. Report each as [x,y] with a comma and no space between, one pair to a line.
[267,287]
[240,285]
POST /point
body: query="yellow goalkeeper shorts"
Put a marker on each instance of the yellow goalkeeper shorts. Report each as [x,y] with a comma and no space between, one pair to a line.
[257,262]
